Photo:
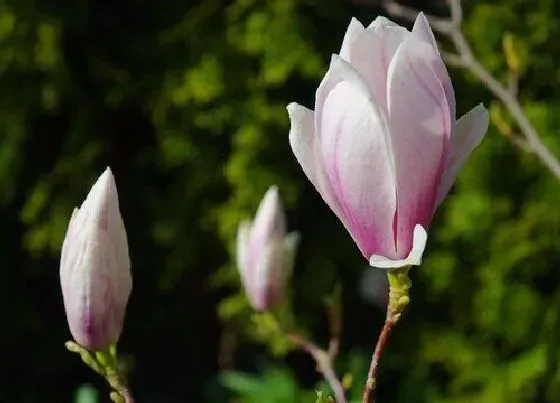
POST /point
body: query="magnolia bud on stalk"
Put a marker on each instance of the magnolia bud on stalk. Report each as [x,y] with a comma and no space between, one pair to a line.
[95,268]
[265,253]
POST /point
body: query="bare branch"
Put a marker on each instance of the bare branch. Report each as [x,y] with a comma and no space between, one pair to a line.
[407,13]
[464,58]
[513,83]
[521,143]
[456,12]
[324,364]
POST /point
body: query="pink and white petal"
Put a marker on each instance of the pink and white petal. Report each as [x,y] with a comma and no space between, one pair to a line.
[306,149]
[357,157]
[414,258]
[242,245]
[339,70]
[269,219]
[381,22]
[468,133]
[370,51]
[391,33]
[420,122]
[266,282]
[69,239]
[334,75]
[423,31]
[353,32]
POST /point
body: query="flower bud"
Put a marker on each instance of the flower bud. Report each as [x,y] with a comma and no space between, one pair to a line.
[265,253]
[95,268]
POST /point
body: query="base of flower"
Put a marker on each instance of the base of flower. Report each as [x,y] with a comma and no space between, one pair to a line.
[106,364]
[414,258]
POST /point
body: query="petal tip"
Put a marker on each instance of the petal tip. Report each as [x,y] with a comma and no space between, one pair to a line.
[106,179]
[335,60]
[272,191]
[296,111]
[482,114]
[355,23]
[291,107]
[421,18]
[381,22]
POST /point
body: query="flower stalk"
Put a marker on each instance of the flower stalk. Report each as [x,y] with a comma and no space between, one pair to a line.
[106,364]
[399,286]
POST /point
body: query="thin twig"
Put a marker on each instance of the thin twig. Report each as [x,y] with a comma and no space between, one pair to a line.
[335,322]
[513,83]
[324,365]
[464,58]
[379,347]
[408,13]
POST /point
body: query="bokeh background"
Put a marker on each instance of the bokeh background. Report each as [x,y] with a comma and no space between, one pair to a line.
[185,100]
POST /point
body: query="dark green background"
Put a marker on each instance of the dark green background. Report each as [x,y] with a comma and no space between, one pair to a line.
[186,102]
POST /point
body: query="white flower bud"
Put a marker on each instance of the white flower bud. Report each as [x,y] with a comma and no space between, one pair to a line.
[95,268]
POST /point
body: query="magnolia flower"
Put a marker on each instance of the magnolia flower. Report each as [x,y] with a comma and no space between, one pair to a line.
[95,268]
[265,253]
[383,146]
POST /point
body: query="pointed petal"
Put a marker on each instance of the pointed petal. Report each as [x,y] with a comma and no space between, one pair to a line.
[306,149]
[357,157]
[468,133]
[370,52]
[353,33]
[68,237]
[420,121]
[423,31]
[381,22]
[242,244]
[268,226]
[270,219]
[414,258]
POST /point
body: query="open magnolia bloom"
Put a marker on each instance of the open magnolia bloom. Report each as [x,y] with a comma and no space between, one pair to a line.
[95,268]
[265,253]
[383,146]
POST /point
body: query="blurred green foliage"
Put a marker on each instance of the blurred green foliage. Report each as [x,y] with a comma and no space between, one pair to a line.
[86,394]
[186,102]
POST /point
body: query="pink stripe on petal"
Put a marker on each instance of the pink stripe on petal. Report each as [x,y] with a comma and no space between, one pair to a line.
[306,148]
[420,121]
[358,162]
[423,31]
